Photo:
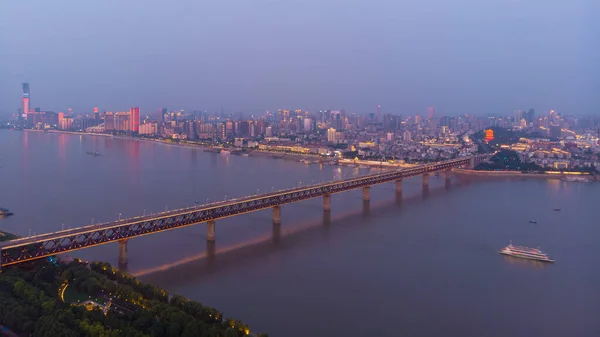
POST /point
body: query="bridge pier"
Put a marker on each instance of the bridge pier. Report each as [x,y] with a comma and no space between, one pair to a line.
[367,193]
[123,251]
[276,214]
[448,173]
[399,185]
[210,231]
[425,179]
[472,163]
[327,202]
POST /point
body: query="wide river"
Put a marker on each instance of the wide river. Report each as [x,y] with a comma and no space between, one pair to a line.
[425,263]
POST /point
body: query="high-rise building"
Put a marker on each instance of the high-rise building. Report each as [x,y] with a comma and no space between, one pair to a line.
[163,113]
[122,121]
[307,125]
[530,116]
[96,116]
[61,117]
[331,135]
[26,102]
[134,119]
[430,112]
[518,116]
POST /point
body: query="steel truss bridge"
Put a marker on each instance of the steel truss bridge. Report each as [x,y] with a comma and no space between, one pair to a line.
[45,245]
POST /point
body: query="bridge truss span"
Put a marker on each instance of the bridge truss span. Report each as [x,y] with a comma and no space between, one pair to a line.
[40,246]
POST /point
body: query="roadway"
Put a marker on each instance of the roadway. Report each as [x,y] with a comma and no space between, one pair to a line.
[37,246]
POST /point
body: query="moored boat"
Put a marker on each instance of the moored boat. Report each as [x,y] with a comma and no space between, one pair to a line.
[5,212]
[525,253]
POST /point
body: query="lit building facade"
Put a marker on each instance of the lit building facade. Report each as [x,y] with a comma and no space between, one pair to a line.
[26,102]
[134,119]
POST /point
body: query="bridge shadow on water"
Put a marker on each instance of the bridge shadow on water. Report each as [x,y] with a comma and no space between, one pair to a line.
[217,259]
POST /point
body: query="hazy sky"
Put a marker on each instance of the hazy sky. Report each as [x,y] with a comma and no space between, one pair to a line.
[461,56]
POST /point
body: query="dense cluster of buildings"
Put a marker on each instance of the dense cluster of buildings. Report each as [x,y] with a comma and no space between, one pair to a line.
[556,138]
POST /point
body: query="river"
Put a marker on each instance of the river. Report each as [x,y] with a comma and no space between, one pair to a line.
[421,264]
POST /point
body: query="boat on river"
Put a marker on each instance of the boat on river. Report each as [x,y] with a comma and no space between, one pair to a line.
[525,253]
[5,212]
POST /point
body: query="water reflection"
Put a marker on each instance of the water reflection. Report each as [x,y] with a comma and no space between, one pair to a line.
[366,208]
[211,252]
[62,148]
[398,198]
[525,262]
[326,218]
[276,233]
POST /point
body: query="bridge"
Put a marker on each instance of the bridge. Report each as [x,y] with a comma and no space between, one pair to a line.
[45,245]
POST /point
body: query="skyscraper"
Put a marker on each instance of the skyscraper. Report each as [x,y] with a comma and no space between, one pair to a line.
[530,116]
[134,119]
[26,102]
[163,114]
[430,112]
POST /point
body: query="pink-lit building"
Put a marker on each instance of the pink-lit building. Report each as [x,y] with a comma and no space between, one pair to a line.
[26,102]
[134,119]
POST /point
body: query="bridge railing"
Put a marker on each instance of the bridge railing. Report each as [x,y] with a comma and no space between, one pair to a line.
[127,221]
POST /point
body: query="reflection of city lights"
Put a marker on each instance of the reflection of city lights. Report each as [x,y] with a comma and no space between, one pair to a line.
[516,260]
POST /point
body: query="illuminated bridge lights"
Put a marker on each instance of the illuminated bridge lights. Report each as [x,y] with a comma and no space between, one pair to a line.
[39,246]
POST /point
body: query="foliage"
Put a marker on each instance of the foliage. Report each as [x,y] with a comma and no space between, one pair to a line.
[508,160]
[31,304]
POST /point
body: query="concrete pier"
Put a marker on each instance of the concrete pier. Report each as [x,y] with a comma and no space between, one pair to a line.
[123,251]
[426,179]
[399,185]
[367,193]
[210,231]
[327,202]
[277,214]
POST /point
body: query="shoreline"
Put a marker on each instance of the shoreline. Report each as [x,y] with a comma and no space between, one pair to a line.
[205,148]
[69,132]
[515,174]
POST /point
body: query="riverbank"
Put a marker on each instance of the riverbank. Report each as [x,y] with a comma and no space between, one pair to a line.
[135,308]
[6,236]
[69,132]
[505,174]
[190,145]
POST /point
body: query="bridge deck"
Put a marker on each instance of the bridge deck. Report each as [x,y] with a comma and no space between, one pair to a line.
[38,246]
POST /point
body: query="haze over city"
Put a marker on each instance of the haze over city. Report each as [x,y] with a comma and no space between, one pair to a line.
[460,56]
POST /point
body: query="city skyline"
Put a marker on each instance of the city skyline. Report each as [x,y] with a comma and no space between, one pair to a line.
[460,58]
[429,112]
